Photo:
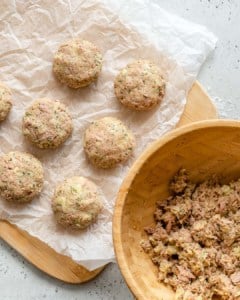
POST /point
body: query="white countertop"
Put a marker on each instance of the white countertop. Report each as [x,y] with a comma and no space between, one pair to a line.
[221,77]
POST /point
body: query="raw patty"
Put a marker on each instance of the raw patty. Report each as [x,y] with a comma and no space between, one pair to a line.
[21,177]
[76,203]
[196,239]
[5,101]
[77,63]
[108,142]
[47,123]
[140,86]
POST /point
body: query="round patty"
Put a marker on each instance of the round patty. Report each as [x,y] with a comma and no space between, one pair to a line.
[5,101]
[21,177]
[108,142]
[47,123]
[140,86]
[76,203]
[77,63]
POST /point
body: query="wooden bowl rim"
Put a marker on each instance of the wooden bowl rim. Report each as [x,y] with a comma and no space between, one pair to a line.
[123,191]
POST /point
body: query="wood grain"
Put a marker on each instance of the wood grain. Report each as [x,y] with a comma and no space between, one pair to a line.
[198,107]
[203,148]
[44,257]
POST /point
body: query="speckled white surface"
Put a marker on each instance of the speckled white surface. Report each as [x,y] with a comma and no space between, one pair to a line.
[221,77]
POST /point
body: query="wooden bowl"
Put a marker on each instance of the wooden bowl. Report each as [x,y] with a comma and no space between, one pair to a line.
[203,148]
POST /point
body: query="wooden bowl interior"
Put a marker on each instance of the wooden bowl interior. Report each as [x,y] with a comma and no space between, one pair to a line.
[202,151]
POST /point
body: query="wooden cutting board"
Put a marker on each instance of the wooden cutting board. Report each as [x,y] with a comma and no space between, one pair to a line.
[198,107]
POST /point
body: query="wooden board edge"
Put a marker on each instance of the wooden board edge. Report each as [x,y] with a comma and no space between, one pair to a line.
[198,107]
[43,257]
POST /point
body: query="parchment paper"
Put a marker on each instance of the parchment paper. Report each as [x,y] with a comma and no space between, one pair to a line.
[31,32]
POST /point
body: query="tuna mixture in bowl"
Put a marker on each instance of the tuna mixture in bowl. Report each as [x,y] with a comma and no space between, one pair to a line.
[176,224]
[195,241]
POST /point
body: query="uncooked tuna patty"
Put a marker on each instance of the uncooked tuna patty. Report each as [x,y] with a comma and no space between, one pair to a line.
[77,63]
[108,142]
[5,101]
[21,177]
[140,86]
[76,203]
[47,123]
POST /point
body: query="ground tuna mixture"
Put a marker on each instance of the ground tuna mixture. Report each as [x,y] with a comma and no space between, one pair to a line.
[195,241]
